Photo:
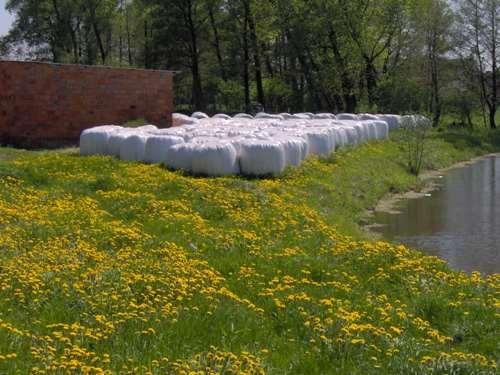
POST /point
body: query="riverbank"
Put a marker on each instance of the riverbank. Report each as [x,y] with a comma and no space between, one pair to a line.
[122,267]
[429,182]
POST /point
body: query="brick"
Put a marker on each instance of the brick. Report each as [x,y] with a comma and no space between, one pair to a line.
[49,105]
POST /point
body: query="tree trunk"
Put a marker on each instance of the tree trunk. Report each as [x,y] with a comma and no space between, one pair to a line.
[197,91]
[350,101]
[100,44]
[218,51]
[435,101]
[246,58]
[494,87]
[371,78]
[256,54]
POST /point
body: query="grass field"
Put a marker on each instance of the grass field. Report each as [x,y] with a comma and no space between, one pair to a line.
[107,266]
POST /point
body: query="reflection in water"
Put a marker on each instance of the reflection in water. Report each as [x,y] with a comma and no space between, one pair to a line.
[459,222]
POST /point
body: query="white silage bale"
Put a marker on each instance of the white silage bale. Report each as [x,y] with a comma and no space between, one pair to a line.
[146,128]
[178,119]
[259,157]
[262,115]
[222,116]
[215,159]
[180,156]
[394,121]
[347,116]
[324,116]
[320,141]
[372,130]
[94,141]
[352,135]
[360,127]
[157,146]
[382,129]
[178,131]
[288,116]
[133,147]
[205,139]
[199,115]
[115,141]
[367,116]
[296,149]
[342,138]
[244,116]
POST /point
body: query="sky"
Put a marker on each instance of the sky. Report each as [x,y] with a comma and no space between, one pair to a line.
[6,19]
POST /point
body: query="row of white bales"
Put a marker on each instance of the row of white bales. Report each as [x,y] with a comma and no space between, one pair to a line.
[223,145]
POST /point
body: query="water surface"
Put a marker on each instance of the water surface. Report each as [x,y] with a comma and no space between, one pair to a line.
[459,222]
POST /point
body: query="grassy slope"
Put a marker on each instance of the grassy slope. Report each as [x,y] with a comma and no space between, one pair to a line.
[127,267]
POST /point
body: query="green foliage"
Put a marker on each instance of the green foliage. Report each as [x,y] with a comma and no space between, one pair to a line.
[335,56]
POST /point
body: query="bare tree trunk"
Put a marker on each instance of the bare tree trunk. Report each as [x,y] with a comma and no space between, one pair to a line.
[494,87]
[246,59]
[197,91]
[350,101]
[217,46]
[256,54]
[432,55]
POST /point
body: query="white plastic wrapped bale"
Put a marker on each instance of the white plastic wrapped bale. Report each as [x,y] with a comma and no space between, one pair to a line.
[214,159]
[199,115]
[288,116]
[222,116]
[324,116]
[178,131]
[342,138]
[94,141]
[157,146]
[367,116]
[146,128]
[180,156]
[259,157]
[394,121]
[320,141]
[133,147]
[178,119]
[372,130]
[204,139]
[262,115]
[296,149]
[347,116]
[304,116]
[382,129]
[244,116]
[115,141]
[352,135]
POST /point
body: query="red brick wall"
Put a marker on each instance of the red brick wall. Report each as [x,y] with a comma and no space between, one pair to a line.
[48,105]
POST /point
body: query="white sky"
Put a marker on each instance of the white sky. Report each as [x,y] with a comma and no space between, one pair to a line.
[6,19]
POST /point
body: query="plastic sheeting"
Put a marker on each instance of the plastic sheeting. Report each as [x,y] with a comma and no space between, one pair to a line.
[94,141]
[199,115]
[222,116]
[133,147]
[221,145]
[347,116]
[259,157]
[178,119]
[214,159]
[157,146]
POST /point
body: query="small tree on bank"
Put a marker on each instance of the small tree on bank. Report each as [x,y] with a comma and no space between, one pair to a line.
[415,130]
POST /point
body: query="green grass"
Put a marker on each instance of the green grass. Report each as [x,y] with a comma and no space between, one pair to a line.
[107,265]
[135,123]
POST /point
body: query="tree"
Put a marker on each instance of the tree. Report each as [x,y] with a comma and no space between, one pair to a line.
[431,22]
[478,40]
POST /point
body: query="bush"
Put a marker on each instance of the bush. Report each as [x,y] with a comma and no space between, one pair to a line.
[415,131]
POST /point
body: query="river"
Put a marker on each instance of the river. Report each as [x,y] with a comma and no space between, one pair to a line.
[459,221]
